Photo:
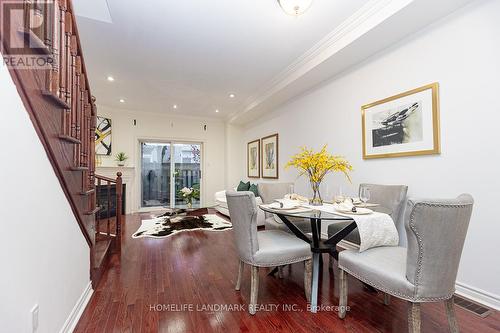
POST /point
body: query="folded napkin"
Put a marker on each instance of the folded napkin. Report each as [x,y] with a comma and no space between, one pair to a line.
[297,197]
[346,205]
[287,204]
[356,201]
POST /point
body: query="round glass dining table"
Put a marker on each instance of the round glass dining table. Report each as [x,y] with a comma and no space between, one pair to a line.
[318,245]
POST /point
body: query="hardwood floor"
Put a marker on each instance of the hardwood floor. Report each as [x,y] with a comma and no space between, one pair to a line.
[198,268]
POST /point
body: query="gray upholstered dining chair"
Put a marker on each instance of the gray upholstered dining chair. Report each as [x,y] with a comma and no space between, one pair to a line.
[424,272]
[268,248]
[272,191]
[390,197]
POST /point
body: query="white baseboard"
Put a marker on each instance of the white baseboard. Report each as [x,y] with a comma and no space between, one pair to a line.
[77,311]
[478,295]
[474,294]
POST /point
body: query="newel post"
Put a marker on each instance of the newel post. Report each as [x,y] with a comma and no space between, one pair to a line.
[119,195]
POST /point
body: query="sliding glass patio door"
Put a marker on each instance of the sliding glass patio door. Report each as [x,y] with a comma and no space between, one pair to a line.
[166,168]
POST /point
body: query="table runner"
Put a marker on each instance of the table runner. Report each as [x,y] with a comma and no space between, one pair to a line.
[376,229]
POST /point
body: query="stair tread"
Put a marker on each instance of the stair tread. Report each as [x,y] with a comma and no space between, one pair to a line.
[56,99]
[69,139]
[101,249]
[79,168]
[95,210]
[87,192]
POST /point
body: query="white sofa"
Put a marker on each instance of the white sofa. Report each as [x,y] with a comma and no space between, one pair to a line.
[221,206]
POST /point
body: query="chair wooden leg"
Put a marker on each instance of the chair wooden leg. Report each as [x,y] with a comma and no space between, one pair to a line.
[280,272]
[342,294]
[414,317]
[254,290]
[387,299]
[240,273]
[308,278]
[450,313]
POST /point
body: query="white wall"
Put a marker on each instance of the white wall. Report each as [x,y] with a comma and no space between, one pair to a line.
[462,53]
[235,155]
[44,256]
[154,126]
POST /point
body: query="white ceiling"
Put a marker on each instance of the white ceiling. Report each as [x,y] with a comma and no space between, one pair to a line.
[194,53]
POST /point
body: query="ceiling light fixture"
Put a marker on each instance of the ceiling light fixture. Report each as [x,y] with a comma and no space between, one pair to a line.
[111,79]
[217,111]
[122,100]
[232,95]
[295,7]
[174,106]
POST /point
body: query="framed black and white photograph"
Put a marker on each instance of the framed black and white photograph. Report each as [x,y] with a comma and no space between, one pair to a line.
[253,159]
[103,136]
[403,125]
[270,156]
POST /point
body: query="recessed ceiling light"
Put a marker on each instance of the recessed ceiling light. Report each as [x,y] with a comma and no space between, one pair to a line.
[217,111]
[232,95]
[174,106]
[122,100]
[111,79]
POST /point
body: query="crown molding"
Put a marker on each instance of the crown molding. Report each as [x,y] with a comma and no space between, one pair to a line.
[362,21]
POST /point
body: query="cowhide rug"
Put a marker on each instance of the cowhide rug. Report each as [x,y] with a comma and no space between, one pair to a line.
[165,226]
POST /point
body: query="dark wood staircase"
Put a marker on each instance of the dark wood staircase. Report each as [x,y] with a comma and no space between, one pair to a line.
[63,111]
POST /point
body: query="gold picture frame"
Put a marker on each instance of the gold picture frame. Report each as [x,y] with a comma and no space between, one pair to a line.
[270,156]
[408,124]
[253,159]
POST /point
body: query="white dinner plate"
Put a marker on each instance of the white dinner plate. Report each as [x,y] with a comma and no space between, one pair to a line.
[360,211]
[366,205]
[276,206]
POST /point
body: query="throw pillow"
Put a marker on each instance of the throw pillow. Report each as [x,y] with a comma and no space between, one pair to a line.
[253,188]
[243,186]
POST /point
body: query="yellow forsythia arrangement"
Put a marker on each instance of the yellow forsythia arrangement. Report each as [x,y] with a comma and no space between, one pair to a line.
[318,165]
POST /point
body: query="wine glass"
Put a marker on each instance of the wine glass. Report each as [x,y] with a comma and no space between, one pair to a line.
[327,193]
[364,195]
[340,197]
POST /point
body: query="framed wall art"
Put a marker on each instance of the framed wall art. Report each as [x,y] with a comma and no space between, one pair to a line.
[103,136]
[406,124]
[253,159]
[270,156]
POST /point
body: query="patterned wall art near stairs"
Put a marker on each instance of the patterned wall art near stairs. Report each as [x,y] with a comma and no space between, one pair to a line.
[103,136]
[63,111]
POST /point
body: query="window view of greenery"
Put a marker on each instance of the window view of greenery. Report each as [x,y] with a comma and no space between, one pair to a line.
[160,186]
[187,158]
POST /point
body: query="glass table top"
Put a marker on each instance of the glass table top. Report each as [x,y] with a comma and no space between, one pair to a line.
[307,213]
[325,212]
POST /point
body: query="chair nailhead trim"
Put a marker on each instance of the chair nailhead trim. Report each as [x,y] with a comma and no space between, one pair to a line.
[419,238]
[397,293]
[281,263]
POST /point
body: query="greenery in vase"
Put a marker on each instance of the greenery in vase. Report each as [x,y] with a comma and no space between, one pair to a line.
[190,193]
[316,165]
[121,157]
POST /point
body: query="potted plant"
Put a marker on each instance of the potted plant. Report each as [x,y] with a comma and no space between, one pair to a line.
[316,165]
[121,157]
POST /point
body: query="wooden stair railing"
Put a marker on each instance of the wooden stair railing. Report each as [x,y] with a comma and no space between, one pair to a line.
[59,102]
[108,236]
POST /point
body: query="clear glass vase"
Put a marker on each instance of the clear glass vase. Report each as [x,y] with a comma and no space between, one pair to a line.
[316,199]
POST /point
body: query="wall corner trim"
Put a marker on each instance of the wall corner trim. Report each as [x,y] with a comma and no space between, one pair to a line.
[77,311]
